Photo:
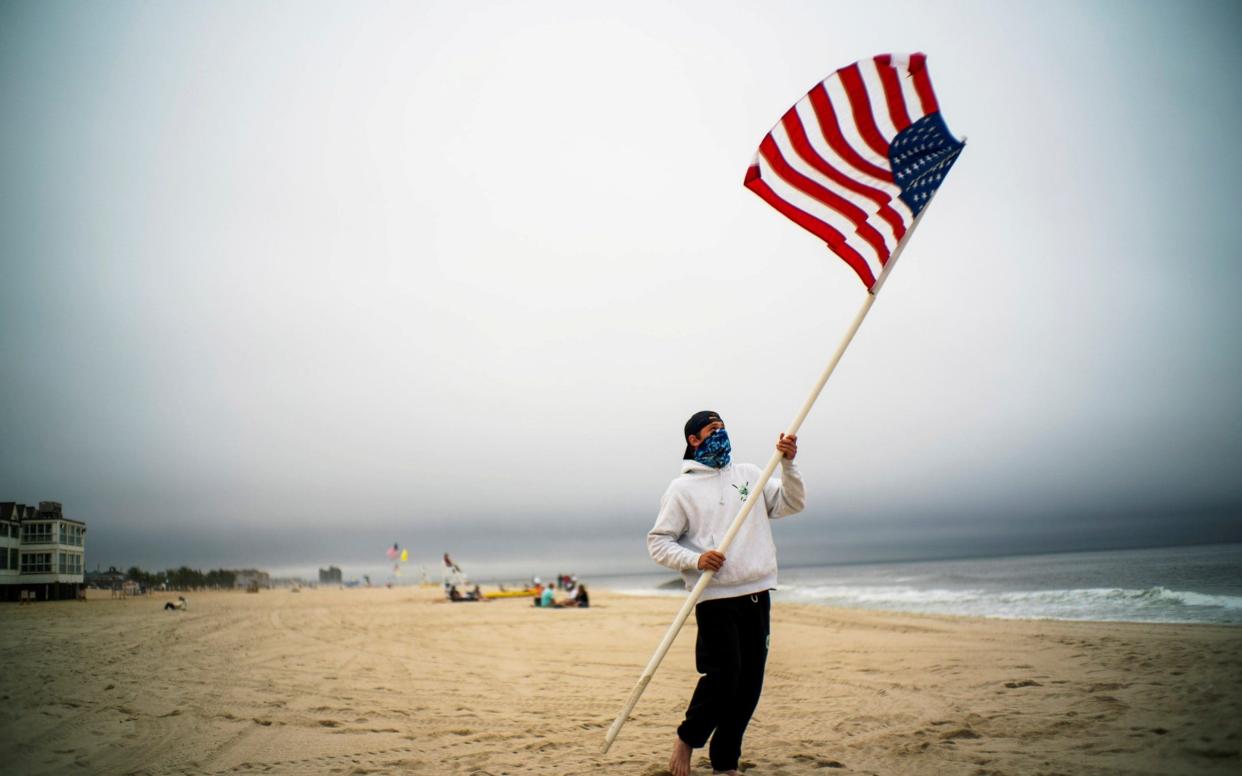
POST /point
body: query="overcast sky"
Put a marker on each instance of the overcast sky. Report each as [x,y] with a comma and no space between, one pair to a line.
[287,282]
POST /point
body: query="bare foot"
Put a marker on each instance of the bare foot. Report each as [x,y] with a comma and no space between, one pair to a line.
[679,762]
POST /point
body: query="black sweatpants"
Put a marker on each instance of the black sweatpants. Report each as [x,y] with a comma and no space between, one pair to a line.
[730,653]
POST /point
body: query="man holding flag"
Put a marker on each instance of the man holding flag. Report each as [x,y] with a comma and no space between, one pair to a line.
[733,613]
[855,162]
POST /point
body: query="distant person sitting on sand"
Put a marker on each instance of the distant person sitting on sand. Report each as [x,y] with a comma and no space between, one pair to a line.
[180,604]
[548,596]
[456,597]
[579,600]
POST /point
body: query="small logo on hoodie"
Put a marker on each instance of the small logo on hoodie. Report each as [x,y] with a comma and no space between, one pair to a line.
[743,491]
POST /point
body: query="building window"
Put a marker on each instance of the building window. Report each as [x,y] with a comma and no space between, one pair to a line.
[36,562]
[4,558]
[36,533]
[12,558]
[4,529]
[70,563]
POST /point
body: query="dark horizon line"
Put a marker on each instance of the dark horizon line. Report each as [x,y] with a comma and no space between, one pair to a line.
[901,561]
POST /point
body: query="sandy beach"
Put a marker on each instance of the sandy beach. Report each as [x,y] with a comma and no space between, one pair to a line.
[397,681]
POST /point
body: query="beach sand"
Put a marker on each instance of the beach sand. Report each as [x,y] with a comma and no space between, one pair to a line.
[396,681]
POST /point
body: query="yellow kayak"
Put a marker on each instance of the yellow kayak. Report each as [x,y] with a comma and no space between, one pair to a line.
[510,594]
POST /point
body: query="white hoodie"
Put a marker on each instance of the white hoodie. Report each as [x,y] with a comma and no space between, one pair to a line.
[696,512]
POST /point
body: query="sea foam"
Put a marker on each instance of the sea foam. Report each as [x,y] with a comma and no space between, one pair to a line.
[1154,604]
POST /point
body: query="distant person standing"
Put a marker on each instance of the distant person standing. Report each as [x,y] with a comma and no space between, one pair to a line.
[733,614]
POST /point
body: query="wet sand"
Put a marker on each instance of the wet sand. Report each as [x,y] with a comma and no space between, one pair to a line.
[396,681]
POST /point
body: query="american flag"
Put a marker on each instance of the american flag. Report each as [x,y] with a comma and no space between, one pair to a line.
[857,158]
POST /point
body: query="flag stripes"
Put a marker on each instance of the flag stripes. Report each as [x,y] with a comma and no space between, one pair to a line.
[829,164]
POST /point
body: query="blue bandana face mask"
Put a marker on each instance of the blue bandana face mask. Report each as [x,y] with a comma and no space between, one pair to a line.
[715,450]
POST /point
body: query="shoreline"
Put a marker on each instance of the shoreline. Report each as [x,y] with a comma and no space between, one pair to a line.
[680,596]
[97,596]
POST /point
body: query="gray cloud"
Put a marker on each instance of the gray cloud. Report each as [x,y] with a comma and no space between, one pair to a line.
[285,282]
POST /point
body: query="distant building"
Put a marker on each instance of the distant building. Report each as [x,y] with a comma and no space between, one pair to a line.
[247,579]
[41,552]
[330,576]
[104,580]
[114,580]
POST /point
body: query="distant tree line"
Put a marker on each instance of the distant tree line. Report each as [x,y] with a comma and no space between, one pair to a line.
[183,578]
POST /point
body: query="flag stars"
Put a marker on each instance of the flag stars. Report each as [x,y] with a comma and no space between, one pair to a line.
[919,157]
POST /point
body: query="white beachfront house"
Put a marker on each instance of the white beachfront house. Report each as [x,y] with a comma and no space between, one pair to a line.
[10,544]
[43,552]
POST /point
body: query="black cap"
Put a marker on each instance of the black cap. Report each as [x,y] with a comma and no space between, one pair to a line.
[694,425]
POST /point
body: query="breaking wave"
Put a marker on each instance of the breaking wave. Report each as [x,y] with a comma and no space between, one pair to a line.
[1154,604]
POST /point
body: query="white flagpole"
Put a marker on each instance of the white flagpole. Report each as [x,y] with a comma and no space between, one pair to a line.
[706,576]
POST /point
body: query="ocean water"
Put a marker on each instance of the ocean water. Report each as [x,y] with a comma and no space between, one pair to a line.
[1173,584]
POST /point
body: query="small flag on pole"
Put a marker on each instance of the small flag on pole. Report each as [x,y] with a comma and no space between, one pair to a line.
[857,159]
